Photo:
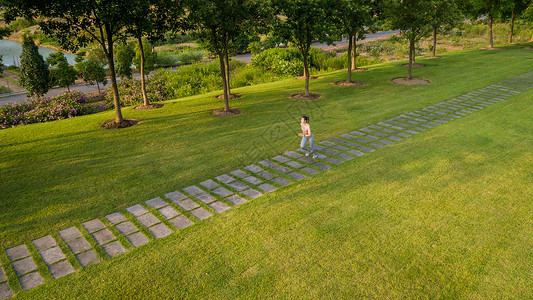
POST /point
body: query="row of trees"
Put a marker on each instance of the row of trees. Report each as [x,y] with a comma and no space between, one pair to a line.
[222,24]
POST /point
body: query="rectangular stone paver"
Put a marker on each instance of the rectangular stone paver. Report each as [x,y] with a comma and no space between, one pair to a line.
[296,175]
[281,159]
[17,252]
[321,166]
[238,186]
[87,258]
[219,207]
[205,198]
[78,245]
[5,291]
[187,204]
[175,196]
[103,236]
[137,239]
[293,154]
[148,220]
[168,212]
[236,199]
[252,193]
[281,169]
[93,225]
[2,275]
[334,161]
[209,184]
[309,170]
[29,281]
[44,243]
[23,266]
[267,175]
[239,173]
[115,218]
[294,164]
[200,213]
[137,210]
[181,222]
[126,228]
[52,255]
[267,187]
[355,152]
[281,181]
[224,178]
[69,233]
[61,269]
[222,192]
[267,163]
[113,249]
[156,203]
[253,168]
[307,160]
[253,180]
[160,231]
[193,190]
[345,156]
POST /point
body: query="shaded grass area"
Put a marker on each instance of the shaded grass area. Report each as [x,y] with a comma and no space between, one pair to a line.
[62,173]
[444,214]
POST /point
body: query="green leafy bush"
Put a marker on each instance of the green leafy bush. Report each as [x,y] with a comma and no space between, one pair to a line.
[165,60]
[279,61]
[130,93]
[21,24]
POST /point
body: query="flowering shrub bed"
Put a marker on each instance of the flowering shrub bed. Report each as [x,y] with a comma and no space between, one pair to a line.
[43,109]
[130,92]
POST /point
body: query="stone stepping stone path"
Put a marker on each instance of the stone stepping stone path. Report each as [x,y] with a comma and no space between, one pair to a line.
[161,216]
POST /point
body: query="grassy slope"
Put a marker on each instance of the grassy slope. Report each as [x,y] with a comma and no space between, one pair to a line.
[445,213]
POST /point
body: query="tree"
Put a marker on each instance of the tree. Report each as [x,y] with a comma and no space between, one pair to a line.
[76,23]
[512,9]
[411,18]
[61,73]
[151,18]
[353,17]
[302,22]
[489,8]
[219,24]
[124,55]
[34,74]
[442,13]
[145,58]
[91,70]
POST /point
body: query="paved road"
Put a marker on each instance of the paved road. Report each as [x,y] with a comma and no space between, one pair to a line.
[87,88]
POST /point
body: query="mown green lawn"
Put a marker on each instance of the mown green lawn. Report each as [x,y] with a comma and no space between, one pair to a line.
[445,213]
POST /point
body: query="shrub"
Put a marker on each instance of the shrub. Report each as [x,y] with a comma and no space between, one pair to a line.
[21,24]
[130,92]
[280,61]
[42,109]
[188,56]
[166,60]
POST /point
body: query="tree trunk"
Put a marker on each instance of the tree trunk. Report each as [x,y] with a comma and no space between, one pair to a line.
[226,56]
[143,80]
[224,82]
[349,79]
[306,74]
[98,85]
[513,15]
[411,54]
[68,88]
[434,41]
[354,54]
[491,42]
[111,63]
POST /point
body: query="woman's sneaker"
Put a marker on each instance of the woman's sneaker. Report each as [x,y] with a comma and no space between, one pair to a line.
[307,153]
[315,155]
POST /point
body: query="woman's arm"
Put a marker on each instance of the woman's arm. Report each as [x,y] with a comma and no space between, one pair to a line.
[308,131]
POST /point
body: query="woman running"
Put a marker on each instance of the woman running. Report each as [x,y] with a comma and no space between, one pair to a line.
[307,135]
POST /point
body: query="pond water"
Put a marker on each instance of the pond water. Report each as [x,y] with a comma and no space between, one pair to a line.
[11,51]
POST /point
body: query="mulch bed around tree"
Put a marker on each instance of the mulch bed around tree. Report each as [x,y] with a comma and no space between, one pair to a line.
[301,96]
[352,83]
[431,56]
[124,124]
[310,77]
[149,106]
[219,112]
[231,96]
[360,69]
[492,48]
[415,65]
[412,81]
[528,48]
